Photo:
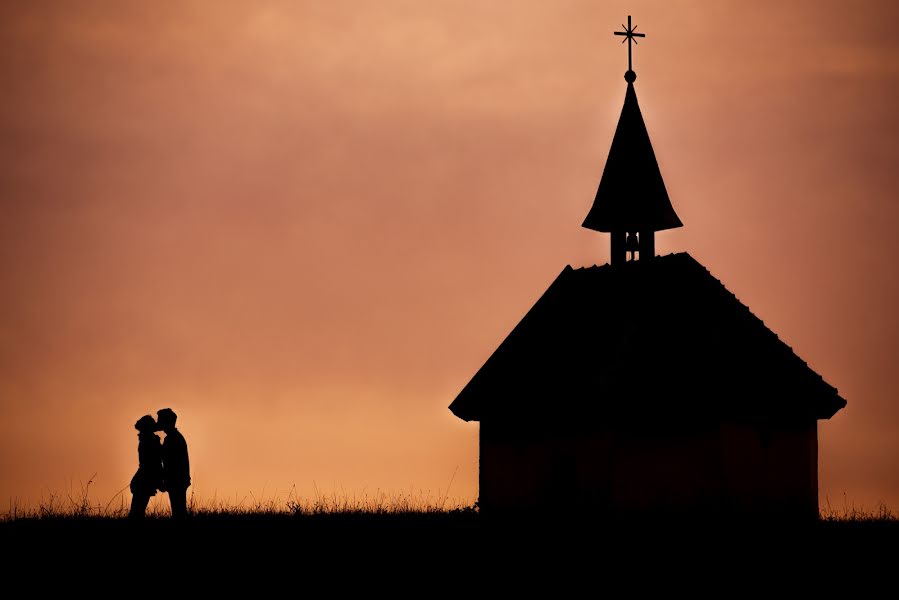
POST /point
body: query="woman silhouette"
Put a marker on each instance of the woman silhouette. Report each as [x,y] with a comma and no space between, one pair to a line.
[149,470]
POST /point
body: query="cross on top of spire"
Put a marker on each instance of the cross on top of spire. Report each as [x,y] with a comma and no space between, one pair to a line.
[629,33]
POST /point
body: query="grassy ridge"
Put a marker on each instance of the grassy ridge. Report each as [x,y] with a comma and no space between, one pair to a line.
[381,545]
[408,553]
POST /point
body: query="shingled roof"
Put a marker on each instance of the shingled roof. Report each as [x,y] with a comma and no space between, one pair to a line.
[660,338]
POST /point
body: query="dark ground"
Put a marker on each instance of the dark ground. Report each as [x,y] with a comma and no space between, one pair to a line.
[430,554]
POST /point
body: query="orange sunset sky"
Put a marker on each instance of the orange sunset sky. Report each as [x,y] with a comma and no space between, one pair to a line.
[305,225]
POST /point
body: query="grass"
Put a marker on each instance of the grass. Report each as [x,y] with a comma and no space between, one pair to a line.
[77,504]
[850,512]
[418,542]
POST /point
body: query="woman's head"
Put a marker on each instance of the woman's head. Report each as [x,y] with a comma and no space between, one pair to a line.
[146,424]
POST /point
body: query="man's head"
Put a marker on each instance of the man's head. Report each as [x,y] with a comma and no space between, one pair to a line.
[166,418]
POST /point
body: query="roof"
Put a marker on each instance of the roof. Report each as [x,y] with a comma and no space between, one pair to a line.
[658,338]
[631,194]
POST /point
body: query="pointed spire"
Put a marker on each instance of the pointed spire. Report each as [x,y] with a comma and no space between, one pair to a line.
[631,199]
[631,194]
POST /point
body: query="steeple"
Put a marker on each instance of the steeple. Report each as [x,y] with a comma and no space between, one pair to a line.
[631,202]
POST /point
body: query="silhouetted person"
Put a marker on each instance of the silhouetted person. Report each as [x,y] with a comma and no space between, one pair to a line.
[149,471]
[175,464]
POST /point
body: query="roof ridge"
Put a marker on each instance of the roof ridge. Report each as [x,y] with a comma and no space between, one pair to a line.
[638,263]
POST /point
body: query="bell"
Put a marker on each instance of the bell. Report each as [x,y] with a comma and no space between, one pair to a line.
[632,244]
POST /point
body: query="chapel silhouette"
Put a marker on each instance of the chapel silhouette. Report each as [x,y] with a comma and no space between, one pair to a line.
[644,387]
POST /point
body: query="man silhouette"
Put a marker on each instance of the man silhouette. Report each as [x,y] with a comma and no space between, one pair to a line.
[175,464]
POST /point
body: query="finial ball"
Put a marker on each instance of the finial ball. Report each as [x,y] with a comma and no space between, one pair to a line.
[630,76]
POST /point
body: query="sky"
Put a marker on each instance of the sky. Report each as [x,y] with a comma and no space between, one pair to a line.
[305,225]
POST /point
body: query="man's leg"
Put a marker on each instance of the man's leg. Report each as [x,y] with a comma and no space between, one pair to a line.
[178,498]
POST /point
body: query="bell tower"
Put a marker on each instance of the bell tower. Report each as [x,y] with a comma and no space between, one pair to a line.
[631,202]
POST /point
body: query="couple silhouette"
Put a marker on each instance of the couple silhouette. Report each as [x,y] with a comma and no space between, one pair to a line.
[162,466]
